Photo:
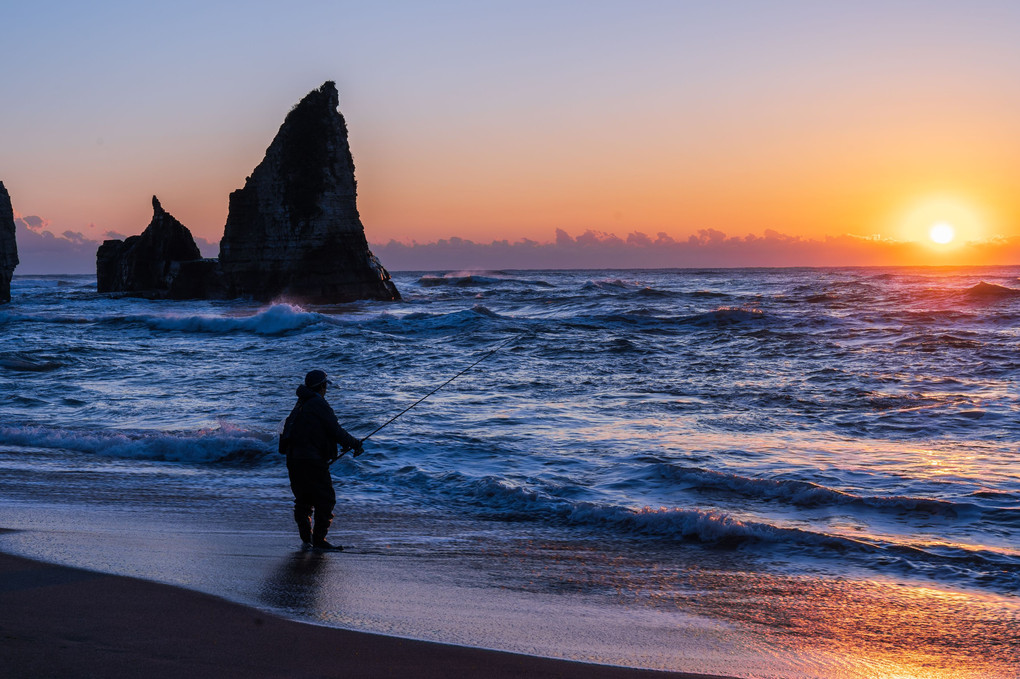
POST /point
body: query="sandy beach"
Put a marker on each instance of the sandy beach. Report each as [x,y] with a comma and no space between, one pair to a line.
[57,621]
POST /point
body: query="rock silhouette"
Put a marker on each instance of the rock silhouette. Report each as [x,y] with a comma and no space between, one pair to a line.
[294,229]
[8,245]
[150,264]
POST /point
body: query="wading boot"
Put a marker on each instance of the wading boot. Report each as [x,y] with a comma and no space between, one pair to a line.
[325,546]
[323,519]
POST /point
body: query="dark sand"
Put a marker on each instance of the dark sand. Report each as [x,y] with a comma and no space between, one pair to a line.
[64,622]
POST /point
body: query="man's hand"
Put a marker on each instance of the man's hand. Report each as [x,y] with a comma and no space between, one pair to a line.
[359,449]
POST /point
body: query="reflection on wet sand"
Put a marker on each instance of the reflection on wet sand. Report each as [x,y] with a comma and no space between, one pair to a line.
[296,585]
[894,629]
[857,627]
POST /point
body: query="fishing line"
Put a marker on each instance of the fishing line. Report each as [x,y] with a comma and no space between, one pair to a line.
[490,353]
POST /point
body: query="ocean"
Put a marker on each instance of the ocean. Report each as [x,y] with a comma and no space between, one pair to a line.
[753,472]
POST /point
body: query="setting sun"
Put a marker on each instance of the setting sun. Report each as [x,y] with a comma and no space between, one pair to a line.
[942,233]
[945,221]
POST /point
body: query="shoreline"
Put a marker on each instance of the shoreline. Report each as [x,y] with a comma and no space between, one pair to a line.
[63,621]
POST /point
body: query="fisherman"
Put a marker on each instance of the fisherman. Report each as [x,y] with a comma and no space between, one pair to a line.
[310,438]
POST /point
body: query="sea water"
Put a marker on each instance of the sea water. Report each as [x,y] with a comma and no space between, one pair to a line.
[757,472]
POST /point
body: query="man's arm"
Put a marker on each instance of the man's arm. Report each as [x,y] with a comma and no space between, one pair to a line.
[339,434]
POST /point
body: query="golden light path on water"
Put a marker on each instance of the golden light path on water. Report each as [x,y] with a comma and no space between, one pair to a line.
[886,627]
[879,628]
[845,628]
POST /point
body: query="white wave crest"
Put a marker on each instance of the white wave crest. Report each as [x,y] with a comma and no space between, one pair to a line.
[224,443]
[493,493]
[277,319]
[804,493]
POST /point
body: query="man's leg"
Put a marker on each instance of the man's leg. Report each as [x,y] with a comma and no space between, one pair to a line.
[325,501]
[323,519]
[303,518]
[304,497]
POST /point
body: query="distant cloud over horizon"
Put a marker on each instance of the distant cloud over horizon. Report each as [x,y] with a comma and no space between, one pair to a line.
[41,251]
[73,252]
[708,248]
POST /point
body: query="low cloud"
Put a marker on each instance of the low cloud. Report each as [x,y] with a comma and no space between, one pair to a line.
[209,249]
[32,222]
[706,249]
[76,238]
[41,251]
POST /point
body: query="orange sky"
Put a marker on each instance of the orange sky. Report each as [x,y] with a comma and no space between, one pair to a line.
[512,122]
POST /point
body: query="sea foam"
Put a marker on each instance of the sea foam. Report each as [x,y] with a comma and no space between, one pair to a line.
[224,443]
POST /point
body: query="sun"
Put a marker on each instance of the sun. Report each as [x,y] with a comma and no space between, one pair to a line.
[942,233]
[944,221]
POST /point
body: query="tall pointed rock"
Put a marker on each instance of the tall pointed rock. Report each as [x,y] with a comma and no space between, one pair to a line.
[8,245]
[294,229]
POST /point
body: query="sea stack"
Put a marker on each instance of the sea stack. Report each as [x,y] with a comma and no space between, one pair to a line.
[161,262]
[8,245]
[294,230]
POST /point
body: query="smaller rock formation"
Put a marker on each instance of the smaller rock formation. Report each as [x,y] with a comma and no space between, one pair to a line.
[8,245]
[161,262]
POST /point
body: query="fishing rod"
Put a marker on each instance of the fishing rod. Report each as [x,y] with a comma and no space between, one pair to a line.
[490,353]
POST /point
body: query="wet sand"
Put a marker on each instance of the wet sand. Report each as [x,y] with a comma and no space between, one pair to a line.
[57,621]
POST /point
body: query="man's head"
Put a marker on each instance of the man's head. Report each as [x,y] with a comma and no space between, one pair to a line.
[316,380]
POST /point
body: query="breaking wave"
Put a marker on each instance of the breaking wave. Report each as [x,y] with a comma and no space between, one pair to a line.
[515,502]
[492,495]
[804,493]
[278,319]
[992,291]
[485,279]
[424,322]
[610,285]
[226,443]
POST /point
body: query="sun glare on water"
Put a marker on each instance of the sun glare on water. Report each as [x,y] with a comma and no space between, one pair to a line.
[942,233]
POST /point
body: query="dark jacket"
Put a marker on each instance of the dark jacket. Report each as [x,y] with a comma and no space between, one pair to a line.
[316,431]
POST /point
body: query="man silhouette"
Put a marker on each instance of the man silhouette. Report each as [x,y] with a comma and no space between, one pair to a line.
[310,438]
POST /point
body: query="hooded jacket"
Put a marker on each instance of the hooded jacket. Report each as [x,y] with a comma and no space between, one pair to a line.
[316,431]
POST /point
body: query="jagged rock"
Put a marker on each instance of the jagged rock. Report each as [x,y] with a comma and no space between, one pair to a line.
[8,245]
[195,279]
[294,229]
[153,263]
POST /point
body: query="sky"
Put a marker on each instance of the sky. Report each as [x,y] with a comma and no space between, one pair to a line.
[511,133]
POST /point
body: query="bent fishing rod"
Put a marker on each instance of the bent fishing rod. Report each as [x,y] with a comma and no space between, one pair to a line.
[393,419]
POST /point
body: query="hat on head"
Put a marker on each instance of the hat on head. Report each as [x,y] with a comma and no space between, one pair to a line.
[316,379]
